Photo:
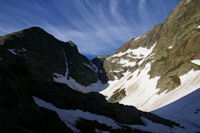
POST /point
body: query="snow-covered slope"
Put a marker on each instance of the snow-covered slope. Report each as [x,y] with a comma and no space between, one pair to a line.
[141,91]
[185,110]
[94,87]
[66,79]
[71,117]
[159,67]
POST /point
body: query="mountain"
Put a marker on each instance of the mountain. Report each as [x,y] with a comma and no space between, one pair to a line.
[149,85]
[42,81]
[45,60]
[159,67]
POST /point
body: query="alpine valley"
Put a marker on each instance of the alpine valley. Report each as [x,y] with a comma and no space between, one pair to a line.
[151,83]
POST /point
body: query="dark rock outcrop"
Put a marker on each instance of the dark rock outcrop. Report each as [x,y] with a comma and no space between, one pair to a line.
[98,61]
[44,55]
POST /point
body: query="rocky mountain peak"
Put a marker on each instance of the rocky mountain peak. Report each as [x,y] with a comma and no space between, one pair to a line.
[71,43]
[41,50]
[34,30]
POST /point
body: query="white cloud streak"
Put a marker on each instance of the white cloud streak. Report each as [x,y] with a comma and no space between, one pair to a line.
[97,27]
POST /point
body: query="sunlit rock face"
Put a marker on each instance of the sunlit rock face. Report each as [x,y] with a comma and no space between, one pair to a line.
[158,67]
[160,70]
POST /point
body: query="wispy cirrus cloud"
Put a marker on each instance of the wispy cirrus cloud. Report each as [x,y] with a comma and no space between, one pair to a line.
[96,26]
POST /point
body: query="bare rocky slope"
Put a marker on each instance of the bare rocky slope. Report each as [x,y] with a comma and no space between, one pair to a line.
[161,66]
[171,46]
[171,49]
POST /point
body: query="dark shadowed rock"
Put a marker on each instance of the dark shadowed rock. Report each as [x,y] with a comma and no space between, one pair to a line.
[44,55]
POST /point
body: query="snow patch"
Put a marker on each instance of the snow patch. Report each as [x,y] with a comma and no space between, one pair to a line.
[114,60]
[88,66]
[157,128]
[197,62]
[14,51]
[66,64]
[139,53]
[188,1]
[118,55]
[115,71]
[139,89]
[94,87]
[101,71]
[170,47]
[148,54]
[92,67]
[70,117]
[198,27]
[137,38]
[100,131]
[142,92]
[126,63]
[140,37]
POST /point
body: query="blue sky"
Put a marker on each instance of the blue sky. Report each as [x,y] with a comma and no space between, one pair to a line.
[98,27]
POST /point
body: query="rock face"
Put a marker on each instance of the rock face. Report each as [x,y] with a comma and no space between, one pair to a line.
[160,66]
[177,43]
[126,60]
[98,61]
[170,48]
[34,100]
[44,55]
